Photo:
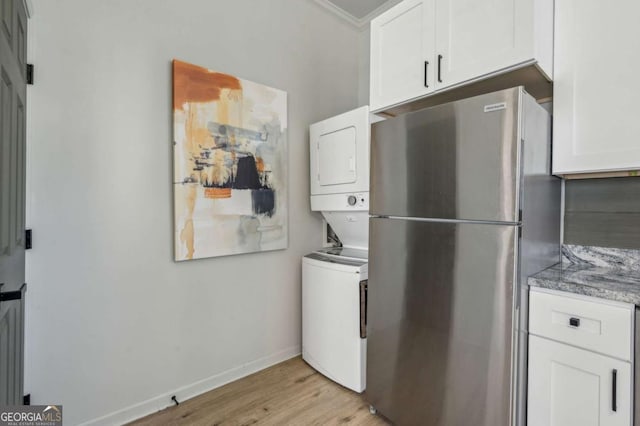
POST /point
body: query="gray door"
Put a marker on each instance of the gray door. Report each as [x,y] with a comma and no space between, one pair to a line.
[453,161]
[439,333]
[13,42]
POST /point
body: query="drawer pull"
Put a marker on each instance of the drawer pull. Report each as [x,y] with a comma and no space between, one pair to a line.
[574,322]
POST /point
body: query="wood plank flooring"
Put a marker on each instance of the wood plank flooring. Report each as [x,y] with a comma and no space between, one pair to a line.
[290,393]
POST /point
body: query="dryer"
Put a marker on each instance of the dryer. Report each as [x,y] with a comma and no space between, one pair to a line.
[339,168]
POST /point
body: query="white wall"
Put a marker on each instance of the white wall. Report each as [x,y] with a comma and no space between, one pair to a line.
[112,321]
[364,59]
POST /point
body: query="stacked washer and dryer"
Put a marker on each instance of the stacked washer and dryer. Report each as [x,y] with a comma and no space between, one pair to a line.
[334,279]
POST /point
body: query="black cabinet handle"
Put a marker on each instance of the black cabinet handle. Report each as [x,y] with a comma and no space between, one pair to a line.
[574,322]
[426,64]
[614,390]
[439,68]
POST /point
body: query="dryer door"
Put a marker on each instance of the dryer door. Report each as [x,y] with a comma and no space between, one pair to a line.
[337,157]
[339,153]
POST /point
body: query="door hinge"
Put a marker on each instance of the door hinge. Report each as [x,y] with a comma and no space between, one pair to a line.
[6,296]
[29,73]
[27,239]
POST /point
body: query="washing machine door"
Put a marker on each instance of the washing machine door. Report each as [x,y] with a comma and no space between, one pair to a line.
[331,341]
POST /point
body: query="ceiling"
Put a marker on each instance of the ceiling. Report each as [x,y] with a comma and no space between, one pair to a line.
[357,12]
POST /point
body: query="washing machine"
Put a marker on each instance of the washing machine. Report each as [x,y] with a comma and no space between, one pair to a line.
[334,298]
[334,280]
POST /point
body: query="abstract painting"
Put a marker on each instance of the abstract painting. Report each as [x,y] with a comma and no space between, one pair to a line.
[230,164]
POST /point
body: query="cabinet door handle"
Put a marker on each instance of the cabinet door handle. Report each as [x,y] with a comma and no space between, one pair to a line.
[614,390]
[439,68]
[426,64]
[574,322]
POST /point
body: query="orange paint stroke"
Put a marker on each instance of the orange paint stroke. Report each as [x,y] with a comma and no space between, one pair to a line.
[186,235]
[192,83]
[217,193]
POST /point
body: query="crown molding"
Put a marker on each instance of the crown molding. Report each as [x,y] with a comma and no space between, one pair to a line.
[28,6]
[362,23]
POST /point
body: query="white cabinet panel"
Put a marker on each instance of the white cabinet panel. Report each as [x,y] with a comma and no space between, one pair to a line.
[475,38]
[570,386]
[402,44]
[422,47]
[596,87]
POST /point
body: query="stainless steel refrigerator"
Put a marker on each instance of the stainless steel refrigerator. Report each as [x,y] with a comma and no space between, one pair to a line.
[463,208]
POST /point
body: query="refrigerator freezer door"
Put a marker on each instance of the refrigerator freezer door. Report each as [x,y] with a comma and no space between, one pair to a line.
[452,161]
[440,322]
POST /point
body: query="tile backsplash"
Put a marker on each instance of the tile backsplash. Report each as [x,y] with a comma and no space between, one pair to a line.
[603,212]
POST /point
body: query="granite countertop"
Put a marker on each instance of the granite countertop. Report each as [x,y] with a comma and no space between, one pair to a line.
[611,274]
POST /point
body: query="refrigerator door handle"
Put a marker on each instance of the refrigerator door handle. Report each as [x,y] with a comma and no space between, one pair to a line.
[363,308]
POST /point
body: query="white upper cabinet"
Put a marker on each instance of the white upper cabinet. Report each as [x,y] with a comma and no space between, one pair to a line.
[479,37]
[402,46]
[460,41]
[596,87]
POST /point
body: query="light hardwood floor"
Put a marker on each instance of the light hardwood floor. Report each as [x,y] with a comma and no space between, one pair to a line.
[290,393]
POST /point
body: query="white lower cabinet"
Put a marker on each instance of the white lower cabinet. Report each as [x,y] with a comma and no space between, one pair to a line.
[580,360]
[569,386]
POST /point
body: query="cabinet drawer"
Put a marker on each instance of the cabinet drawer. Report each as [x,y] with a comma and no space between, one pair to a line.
[586,322]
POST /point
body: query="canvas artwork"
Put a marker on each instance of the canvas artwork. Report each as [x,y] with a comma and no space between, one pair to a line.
[230,164]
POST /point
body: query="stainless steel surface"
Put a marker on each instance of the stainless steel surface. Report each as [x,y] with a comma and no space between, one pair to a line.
[528,76]
[447,335]
[440,322]
[541,218]
[427,219]
[453,161]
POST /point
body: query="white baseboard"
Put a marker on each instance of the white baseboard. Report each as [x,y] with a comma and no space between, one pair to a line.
[160,402]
